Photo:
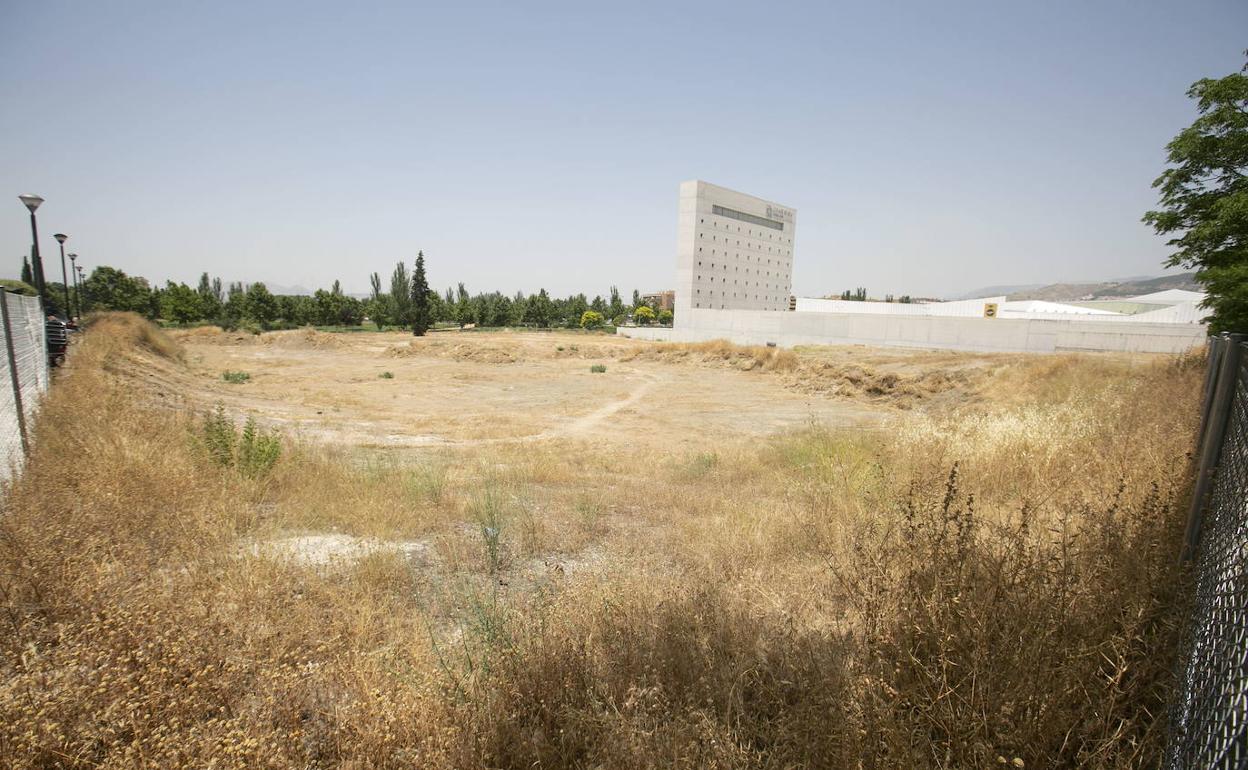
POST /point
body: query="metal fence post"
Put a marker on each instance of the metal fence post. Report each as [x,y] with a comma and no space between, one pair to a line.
[1217,345]
[1214,429]
[16,382]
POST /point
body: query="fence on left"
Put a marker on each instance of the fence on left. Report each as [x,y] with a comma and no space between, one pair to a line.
[24,376]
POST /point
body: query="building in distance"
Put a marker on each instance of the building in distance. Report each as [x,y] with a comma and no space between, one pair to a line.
[734,251]
[661,300]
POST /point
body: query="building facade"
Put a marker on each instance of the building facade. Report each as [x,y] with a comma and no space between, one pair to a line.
[734,251]
[661,300]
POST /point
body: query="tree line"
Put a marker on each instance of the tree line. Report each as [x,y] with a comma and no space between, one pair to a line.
[406,302]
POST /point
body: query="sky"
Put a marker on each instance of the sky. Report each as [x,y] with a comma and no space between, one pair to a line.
[929,148]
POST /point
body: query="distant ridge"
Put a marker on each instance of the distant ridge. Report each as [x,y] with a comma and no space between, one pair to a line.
[996,291]
[1066,292]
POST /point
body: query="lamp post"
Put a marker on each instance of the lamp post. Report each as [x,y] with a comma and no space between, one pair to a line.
[61,238]
[82,284]
[73,270]
[32,202]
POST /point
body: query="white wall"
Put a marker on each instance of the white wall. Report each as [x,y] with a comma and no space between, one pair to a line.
[967,308]
[747,327]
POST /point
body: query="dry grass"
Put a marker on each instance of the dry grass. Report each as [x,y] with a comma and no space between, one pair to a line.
[842,377]
[962,590]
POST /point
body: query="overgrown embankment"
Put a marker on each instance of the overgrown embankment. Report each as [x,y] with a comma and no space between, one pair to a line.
[994,586]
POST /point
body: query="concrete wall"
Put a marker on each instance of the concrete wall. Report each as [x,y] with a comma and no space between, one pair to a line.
[748,327]
[964,308]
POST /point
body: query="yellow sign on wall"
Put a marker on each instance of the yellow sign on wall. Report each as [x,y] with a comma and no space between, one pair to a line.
[990,310]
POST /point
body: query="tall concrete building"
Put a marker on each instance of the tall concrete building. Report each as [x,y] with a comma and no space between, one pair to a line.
[734,251]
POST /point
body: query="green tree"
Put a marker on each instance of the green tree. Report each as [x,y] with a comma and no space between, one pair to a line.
[180,303]
[421,319]
[519,304]
[437,308]
[333,308]
[108,288]
[636,299]
[400,296]
[232,308]
[599,305]
[448,305]
[574,308]
[591,319]
[297,309]
[209,293]
[378,305]
[539,310]
[27,276]
[644,315]
[500,309]
[1204,198]
[615,305]
[463,306]
[665,317]
[259,305]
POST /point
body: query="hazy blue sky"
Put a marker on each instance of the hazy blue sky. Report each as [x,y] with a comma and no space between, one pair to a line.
[929,147]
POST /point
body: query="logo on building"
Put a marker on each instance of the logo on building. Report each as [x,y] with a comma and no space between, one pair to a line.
[990,310]
[779,214]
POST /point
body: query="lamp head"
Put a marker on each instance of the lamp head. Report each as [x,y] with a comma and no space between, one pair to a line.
[73,257]
[61,237]
[32,201]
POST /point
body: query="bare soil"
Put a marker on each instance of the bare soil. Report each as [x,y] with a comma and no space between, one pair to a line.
[498,387]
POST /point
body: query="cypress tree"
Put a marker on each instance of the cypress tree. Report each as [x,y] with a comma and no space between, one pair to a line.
[27,275]
[420,298]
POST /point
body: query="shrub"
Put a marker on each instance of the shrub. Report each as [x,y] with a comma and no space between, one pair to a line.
[665,317]
[235,378]
[598,368]
[591,319]
[427,483]
[386,375]
[253,452]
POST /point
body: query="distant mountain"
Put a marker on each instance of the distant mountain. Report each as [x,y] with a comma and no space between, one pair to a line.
[1059,292]
[996,291]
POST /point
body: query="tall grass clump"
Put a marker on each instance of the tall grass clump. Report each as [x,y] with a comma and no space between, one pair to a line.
[252,451]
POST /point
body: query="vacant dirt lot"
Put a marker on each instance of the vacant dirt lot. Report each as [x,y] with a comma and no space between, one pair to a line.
[705,556]
[471,388]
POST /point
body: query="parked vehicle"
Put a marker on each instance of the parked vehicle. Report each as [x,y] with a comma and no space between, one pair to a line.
[58,339]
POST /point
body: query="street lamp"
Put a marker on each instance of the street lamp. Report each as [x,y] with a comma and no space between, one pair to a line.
[61,238]
[32,202]
[73,270]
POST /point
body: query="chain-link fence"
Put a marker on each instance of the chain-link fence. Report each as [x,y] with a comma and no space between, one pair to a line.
[1209,727]
[24,375]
